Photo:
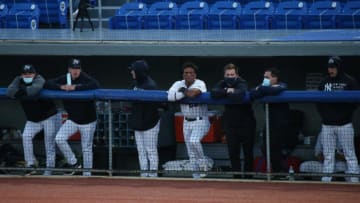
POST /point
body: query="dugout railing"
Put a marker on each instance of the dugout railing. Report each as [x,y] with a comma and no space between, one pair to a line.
[111,96]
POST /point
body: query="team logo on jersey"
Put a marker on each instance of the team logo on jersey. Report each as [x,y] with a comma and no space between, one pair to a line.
[334,86]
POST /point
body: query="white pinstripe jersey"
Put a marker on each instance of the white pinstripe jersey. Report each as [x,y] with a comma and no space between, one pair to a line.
[189,110]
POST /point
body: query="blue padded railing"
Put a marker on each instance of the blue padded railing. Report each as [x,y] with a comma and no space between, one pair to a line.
[161,96]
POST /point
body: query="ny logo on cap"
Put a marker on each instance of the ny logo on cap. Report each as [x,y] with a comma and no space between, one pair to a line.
[27,67]
[76,62]
[331,61]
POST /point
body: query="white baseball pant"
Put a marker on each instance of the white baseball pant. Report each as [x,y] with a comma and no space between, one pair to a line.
[146,143]
[345,136]
[194,131]
[50,126]
[87,133]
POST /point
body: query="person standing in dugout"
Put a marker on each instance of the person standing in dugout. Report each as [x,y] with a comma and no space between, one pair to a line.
[337,120]
[279,117]
[145,120]
[239,124]
[81,115]
[196,120]
[41,114]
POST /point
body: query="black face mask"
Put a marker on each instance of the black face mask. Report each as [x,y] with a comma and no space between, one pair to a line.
[230,81]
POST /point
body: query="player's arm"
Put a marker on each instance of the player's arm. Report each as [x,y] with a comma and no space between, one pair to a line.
[36,86]
[237,93]
[175,92]
[218,91]
[13,88]
[89,84]
[56,83]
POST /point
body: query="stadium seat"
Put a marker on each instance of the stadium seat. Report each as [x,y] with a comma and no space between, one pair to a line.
[322,15]
[161,15]
[3,13]
[10,3]
[289,15]
[224,15]
[23,15]
[350,16]
[257,15]
[53,12]
[129,16]
[192,15]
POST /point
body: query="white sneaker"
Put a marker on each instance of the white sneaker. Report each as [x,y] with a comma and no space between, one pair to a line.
[353,180]
[326,179]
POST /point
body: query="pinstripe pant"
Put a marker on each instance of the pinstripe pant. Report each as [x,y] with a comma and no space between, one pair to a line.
[345,136]
[146,143]
[87,133]
[194,131]
[50,126]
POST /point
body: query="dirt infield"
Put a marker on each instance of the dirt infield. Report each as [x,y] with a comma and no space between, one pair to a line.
[98,189]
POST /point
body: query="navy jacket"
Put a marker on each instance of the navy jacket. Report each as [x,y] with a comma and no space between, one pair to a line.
[79,111]
[235,115]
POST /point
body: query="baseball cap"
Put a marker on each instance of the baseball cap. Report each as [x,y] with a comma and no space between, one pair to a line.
[334,61]
[28,68]
[74,63]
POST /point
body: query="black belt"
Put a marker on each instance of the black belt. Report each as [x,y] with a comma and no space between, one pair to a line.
[193,119]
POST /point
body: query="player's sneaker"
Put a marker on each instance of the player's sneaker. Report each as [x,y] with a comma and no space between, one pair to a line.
[73,172]
[31,171]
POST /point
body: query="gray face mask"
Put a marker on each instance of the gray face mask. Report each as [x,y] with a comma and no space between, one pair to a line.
[28,80]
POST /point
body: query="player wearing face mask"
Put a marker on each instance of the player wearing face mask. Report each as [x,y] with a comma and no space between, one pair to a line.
[239,118]
[41,114]
[279,115]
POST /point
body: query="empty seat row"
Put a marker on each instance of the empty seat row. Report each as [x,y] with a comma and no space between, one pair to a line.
[231,15]
[52,12]
[20,15]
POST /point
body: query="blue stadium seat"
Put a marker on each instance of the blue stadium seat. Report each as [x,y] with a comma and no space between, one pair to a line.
[192,15]
[289,15]
[161,15]
[10,3]
[53,12]
[23,15]
[224,15]
[350,16]
[129,16]
[3,13]
[257,15]
[322,15]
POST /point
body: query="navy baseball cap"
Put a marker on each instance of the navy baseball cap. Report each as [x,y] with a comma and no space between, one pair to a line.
[334,61]
[28,68]
[74,63]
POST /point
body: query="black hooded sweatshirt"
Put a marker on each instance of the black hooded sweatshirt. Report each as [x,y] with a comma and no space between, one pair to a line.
[145,115]
[337,113]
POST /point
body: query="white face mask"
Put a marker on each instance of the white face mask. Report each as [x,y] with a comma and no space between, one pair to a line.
[28,80]
[266,82]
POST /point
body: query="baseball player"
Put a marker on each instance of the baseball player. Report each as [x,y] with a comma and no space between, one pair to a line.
[145,120]
[41,114]
[196,121]
[317,166]
[81,115]
[337,120]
